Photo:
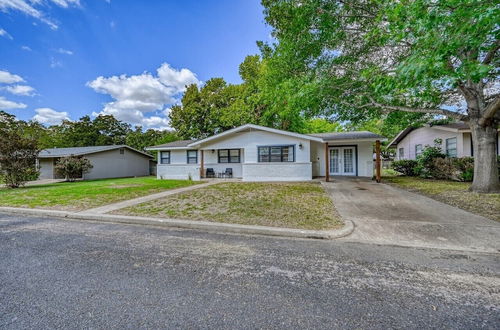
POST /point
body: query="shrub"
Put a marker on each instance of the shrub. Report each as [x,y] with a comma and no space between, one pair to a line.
[445,169]
[426,164]
[405,166]
[465,166]
[73,167]
[18,151]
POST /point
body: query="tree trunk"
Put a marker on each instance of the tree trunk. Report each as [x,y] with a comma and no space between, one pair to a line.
[485,158]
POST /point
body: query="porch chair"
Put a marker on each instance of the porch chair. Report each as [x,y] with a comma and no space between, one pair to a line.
[210,173]
[228,173]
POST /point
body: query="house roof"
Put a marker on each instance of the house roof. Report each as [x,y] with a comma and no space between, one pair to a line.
[320,137]
[255,127]
[181,144]
[79,151]
[455,127]
[356,135]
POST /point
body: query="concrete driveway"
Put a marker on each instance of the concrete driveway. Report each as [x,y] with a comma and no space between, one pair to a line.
[383,214]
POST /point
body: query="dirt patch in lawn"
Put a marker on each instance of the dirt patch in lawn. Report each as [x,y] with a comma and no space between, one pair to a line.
[121,186]
[292,205]
[452,193]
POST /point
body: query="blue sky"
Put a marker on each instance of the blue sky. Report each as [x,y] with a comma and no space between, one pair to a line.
[68,58]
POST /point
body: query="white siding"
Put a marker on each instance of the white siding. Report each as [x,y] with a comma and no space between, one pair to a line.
[277,172]
[178,171]
[249,141]
[426,136]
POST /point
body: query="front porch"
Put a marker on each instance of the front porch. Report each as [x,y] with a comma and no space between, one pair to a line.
[221,163]
[344,160]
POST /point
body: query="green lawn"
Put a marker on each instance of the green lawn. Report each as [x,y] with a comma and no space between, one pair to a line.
[82,195]
[453,193]
[291,205]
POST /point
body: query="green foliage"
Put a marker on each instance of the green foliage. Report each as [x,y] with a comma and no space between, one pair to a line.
[218,106]
[444,169]
[359,59]
[140,139]
[18,150]
[405,166]
[73,167]
[426,166]
[321,125]
[465,167]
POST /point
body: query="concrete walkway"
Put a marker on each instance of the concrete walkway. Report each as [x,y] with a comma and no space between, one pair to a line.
[139,200]
[383,214]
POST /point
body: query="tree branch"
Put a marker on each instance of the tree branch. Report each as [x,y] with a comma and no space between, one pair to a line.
[490,111]
[491,54]
[437,111]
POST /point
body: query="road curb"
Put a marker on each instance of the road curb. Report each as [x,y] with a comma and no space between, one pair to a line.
[346,230]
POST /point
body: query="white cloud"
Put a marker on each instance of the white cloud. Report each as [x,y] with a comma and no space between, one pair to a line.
[5,34]
[50,116]
[176,79]
[20,90]
[64,51]
[26,48]
[9,105]
[9,78]
[55,63]
[136,96]
[31,8]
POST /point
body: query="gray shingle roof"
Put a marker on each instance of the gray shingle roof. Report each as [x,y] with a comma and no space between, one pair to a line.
[347,135]
[175,144]
[77,151]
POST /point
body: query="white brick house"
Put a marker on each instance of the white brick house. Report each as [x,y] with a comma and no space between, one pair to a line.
[257,153]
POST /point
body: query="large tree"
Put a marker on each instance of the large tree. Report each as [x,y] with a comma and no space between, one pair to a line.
[218,106]
[18,150]
[367,58]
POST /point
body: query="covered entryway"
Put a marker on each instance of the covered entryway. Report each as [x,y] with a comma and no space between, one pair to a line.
[343,161]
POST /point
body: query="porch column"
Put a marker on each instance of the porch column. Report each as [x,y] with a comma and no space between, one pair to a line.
[327,163]
[202,171]
[377,161]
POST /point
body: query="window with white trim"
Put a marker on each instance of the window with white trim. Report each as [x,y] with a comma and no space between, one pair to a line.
[192,156]
[229,155]
[418,150]
[451,147]
[164,157]
[274,154]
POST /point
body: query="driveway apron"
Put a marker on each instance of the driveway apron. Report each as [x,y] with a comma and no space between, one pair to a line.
[383,214]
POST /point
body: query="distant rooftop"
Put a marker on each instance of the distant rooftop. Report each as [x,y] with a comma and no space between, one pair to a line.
[175,144]
[79,151]
[347,135]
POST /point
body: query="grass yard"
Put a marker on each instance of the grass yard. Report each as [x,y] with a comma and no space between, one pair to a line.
[75,196]
[290,205]
[453,193]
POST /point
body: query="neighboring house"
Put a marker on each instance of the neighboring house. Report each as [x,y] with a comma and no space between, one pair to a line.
[115,161]
[456,140]
[257,153]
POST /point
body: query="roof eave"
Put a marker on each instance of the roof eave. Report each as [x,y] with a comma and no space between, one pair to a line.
[356,140]
[257,127]
[166,148]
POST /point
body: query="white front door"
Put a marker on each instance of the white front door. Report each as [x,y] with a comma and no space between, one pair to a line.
[342,161]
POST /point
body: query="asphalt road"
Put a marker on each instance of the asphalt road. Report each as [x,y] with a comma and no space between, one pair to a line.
[66,274]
